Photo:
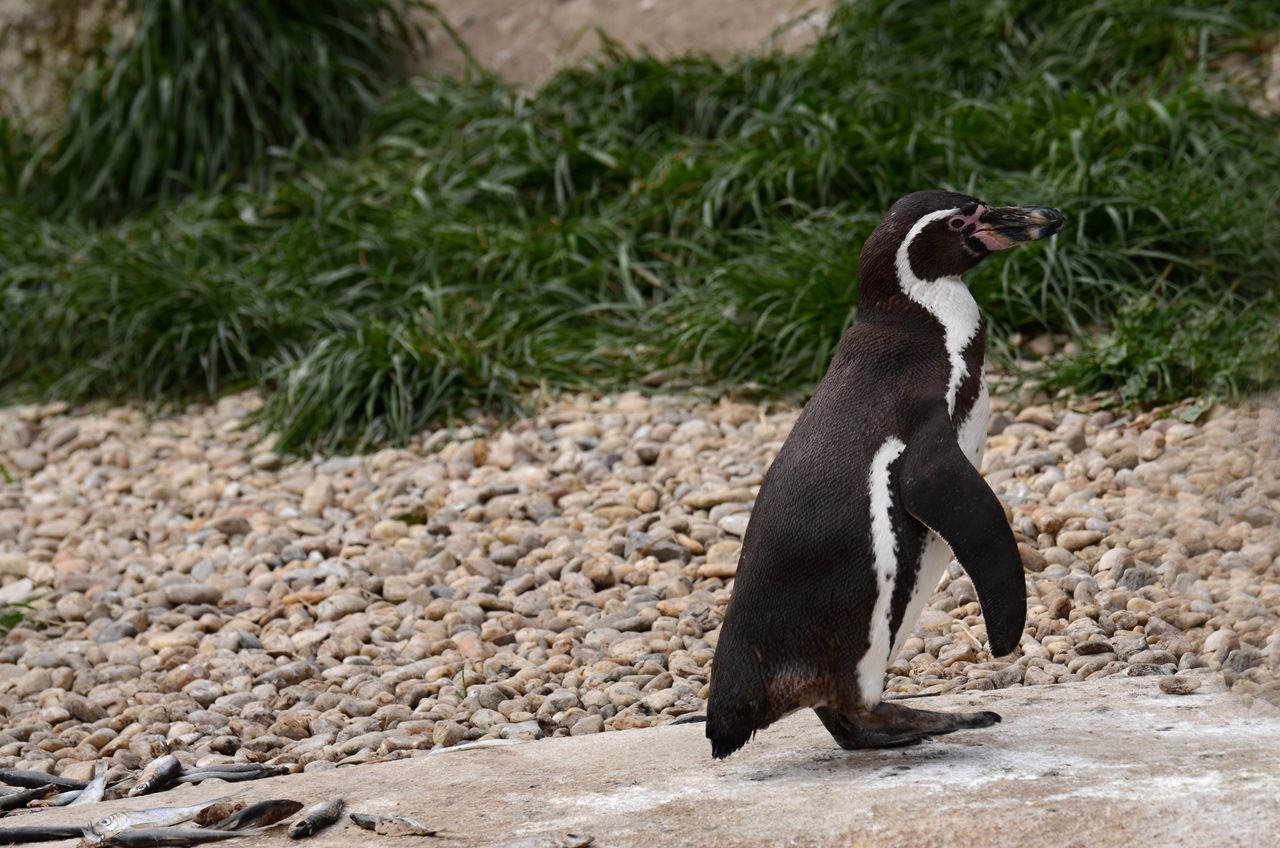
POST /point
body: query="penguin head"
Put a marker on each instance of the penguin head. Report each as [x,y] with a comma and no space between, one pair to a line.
[935,235]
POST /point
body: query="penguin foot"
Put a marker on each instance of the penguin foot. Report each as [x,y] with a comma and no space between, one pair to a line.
[888,717]
[851,736]
[890,725]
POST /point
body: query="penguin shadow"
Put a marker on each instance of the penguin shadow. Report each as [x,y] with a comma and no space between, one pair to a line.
[814,763]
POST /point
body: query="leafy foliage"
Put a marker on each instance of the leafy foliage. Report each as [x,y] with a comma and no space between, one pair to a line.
[205,89]
[696,217]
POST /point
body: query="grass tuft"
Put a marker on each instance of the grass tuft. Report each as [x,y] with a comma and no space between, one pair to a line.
[205,91]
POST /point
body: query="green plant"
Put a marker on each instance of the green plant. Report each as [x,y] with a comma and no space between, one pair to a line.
[689,216]
[205,91]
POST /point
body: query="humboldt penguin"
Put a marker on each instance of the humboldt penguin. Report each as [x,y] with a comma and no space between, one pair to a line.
[874,491]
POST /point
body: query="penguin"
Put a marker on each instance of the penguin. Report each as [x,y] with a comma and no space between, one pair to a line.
[874,491]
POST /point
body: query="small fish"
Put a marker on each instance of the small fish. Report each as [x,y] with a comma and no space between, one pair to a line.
[97,787]
[479,744]
[38,833]
[150,837]
[393,825]
[240,772]
[62,799]
[155,817]
[34,779]
[563,840]
[21,799]
[235,766]
[316,818]
[159,775]
[261,814]
[690,718]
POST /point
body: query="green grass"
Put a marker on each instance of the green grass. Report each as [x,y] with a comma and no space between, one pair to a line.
[204,89]
[692,216]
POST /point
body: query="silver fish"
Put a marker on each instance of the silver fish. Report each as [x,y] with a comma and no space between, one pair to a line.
[160,774]
[62,799]
[149,837]
[261,814]
[97,787]
[393,825]
[478,745]
[38,833]
[316,818]
[21,799]
[241,772]
[155,817]
[34,779]
[563,840]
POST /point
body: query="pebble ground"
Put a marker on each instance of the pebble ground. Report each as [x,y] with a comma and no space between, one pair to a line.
[196,593]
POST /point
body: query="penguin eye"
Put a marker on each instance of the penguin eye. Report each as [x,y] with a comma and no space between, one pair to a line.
[956,224]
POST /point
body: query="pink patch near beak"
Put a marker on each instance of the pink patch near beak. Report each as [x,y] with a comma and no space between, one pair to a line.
[989,238]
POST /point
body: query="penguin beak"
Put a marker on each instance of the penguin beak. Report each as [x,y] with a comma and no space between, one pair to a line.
[1003,227]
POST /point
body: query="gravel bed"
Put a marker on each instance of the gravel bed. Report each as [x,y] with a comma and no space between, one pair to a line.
[200,595]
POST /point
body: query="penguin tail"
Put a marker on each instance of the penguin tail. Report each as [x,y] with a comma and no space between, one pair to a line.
[725,743]
[736,709]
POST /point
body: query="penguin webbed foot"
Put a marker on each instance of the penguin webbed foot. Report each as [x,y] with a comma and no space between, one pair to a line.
[888,717]
[852,736]
[889,725]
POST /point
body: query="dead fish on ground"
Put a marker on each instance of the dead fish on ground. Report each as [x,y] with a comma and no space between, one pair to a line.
[393,825]
[155,817]
[62,799]
[21,799]
[477,745]
[38,833]
[160,774]
[240,771]
[261,814]
[97,787]
[564,840]
[316,818]
[34,779]
[150,837]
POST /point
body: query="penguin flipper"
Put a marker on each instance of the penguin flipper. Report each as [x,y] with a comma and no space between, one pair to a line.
[942,489]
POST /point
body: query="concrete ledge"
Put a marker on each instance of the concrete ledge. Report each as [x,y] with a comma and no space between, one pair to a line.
[1108,763]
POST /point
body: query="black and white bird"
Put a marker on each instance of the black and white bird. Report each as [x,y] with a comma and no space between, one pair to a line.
[874,491]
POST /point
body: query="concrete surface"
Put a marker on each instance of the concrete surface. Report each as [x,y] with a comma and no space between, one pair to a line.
[1108,763]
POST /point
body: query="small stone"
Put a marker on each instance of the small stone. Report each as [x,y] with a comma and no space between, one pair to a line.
[586,725]
[389,530]
[735,524]
[448,733]
[28,460]
[115,631]
[722,560]
[707,498]
[192,593]
[316,497]
[62,435]
[82,709]
[56,529]
[1075,540]
[1179,685]
[289,674]
[232,525]
[13,564]
[648,452]
[340,606]
[1126,458]
[1031,558]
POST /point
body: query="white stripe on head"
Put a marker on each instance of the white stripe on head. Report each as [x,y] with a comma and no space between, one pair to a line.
[947,299]
[885,548]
